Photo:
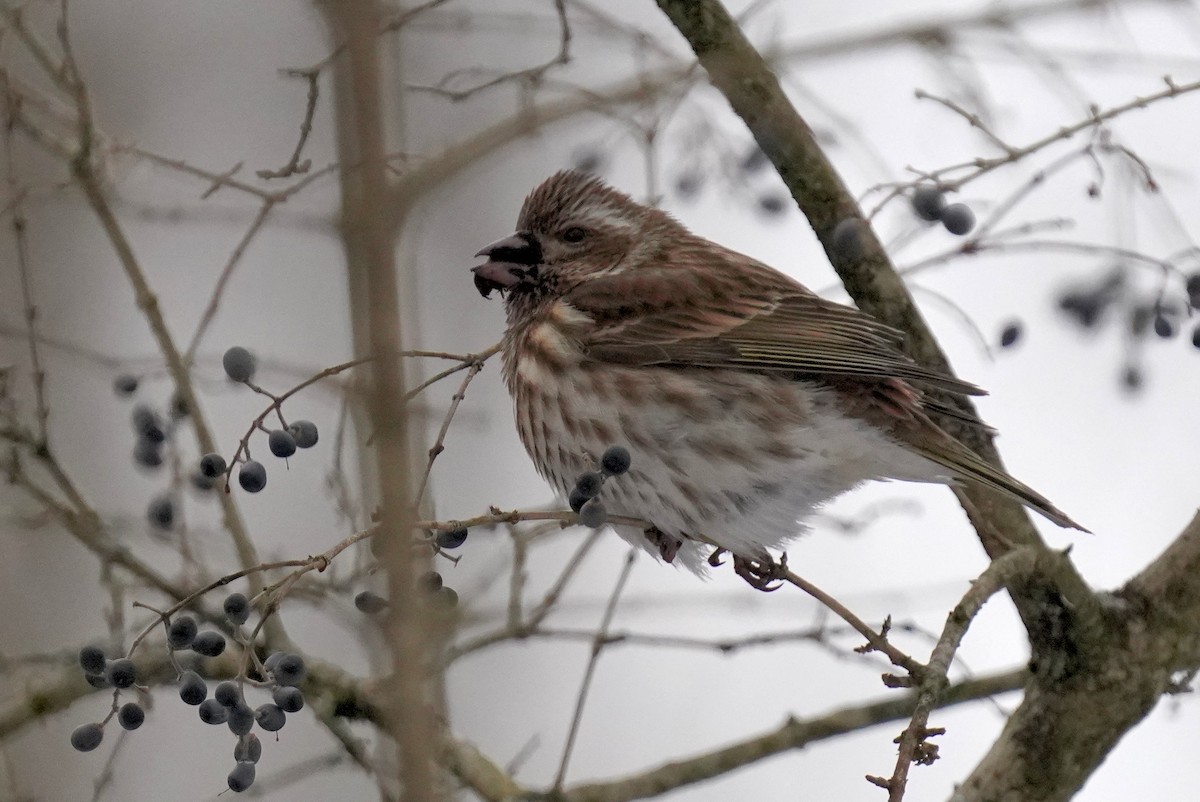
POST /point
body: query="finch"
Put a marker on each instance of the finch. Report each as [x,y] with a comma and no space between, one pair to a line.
[744,400]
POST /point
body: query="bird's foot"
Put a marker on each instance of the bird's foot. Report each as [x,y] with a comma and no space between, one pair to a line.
[668,547]
[759,574]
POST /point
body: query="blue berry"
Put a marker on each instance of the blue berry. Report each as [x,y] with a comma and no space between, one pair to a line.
[848,239]
[130,716]
[148,453]
[1010,335]
[430,581]
[92,660]
[213,465]
[227,694]
[213,712]
[452,539]
[237,608]
[121,673]
[290,700]
[192,688]
[161,512]
[588,484]
[125,384]
[593,514]
[615,460]
[281,443]
[209,643]
[305,432]
[239,364]
[270,717]
[252,476]
[98,681]
[370,603]
[289,670]
[87,737]
[958,219]
[241,719]
[445,598]
[928,203]
[576,499]
[248,747]
[273,660]
[242,776]
[148,424]
[182,632]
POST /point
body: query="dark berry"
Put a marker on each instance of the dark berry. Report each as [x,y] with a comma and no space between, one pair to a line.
[588,160]
[753,160]
[125,384]
[227,694]
[148,453]
[1196,336]
[452,539]
[148,424]
[213,465]
[241,719]
[848,240]
[242,776]
[248,747]
[958,218]
[92,660]
[928,203]
[370,603]
[182,632]
[98,681]
[593,514]
[121,673]
[201,482]
[237,608]
[281,443]
[615,460]
[87,737]
[1193,289]
[130,716]
[238,364]
[305,432]
[688,185]
[161,512]
[1163,326]
[429,581]
[270,717]
[209,643]
[772,204]
[290,700]
[576,499]
[273,660]
[589,484]
[213,712]
[252,476]
[1010,334]
[1131,378]
[289,670]
[192,688]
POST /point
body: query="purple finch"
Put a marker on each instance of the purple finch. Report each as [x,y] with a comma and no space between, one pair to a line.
[745,400]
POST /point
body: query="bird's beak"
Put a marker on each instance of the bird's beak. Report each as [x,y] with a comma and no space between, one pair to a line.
[511,261]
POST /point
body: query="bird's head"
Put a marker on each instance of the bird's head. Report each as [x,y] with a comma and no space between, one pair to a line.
[571,228]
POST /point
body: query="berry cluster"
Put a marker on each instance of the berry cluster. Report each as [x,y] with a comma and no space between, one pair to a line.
[929,204]
[281,674]
[240,366]
[430,585]
[584,497]
[154,433]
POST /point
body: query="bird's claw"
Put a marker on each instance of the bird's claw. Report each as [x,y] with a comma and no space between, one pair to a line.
[759,574]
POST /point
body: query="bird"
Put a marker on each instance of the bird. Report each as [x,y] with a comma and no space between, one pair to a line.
[745,400]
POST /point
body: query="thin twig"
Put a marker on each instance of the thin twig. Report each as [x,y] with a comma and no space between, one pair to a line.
[597,647]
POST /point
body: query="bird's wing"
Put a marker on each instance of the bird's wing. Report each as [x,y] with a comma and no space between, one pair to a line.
[710,307]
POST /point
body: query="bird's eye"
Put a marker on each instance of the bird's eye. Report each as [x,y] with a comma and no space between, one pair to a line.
[574,234]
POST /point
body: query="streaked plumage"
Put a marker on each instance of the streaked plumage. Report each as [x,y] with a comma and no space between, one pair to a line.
[745,400]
